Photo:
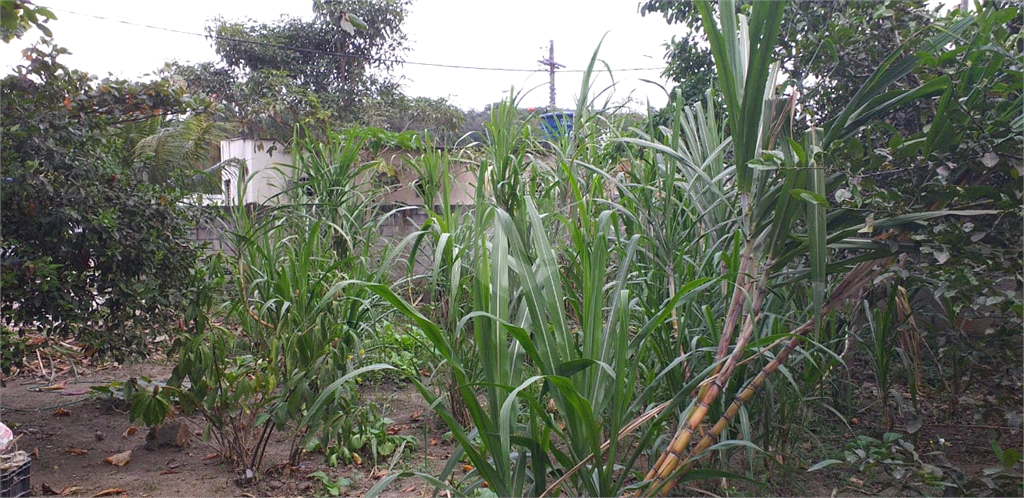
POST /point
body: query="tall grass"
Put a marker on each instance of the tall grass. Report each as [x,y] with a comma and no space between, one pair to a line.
[632,281]
[289,258]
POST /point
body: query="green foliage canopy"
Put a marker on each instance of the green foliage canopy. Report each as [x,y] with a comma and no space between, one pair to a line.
[88,252]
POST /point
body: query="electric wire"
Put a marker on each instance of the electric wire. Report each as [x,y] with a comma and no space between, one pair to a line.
[342,54]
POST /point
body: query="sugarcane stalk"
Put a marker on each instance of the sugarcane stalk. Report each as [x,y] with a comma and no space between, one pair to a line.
[746,287]
[673,458]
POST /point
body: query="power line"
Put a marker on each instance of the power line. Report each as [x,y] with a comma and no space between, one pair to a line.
[342,54]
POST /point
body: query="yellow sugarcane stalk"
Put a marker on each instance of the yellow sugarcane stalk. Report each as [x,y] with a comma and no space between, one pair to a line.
[673,458]
[746,287]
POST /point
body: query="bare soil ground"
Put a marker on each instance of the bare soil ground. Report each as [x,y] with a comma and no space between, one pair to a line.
[69,431]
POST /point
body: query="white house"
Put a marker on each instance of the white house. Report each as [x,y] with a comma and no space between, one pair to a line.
[267,166]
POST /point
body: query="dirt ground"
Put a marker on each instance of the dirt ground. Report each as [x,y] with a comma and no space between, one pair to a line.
[68,433]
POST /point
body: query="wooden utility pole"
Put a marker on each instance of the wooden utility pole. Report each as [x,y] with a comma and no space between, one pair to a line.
[552,65]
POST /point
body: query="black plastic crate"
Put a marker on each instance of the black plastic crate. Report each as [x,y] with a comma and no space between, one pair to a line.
[15,471]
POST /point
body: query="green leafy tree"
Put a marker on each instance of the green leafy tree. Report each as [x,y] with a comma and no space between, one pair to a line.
[315,73]
[88,252]
[18,16]
[828,49]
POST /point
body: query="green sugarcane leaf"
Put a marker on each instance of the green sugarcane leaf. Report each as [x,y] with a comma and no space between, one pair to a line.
[811,197]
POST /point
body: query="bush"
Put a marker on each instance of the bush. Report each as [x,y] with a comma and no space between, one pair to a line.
[88,252]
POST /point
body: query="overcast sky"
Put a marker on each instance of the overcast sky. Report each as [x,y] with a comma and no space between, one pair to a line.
[480,33]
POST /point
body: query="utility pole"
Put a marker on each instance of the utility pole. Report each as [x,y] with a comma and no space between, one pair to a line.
[552,65]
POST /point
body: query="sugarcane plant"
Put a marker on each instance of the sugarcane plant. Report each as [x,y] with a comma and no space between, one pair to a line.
[783,213]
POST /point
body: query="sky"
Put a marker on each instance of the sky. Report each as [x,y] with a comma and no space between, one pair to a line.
[480,33]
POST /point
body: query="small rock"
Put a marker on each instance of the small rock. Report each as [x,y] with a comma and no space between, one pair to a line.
[99,436]
[245,477]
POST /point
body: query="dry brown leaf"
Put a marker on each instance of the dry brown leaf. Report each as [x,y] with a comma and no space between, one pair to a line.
[166,472]
[55,387]
[211,456]
[76,451]
[119,459]
[70,490]
[47,490]
[60,412]
[416,416]
[467,468]
[129,431]
[434,441]
[110,491]
[357,459]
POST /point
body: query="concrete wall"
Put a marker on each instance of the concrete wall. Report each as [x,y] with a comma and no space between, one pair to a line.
[214,228]
[267,163]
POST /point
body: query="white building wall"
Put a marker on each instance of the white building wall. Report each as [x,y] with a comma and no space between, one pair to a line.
[267,163]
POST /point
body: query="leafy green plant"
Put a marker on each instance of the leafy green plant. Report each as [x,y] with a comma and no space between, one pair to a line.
[1005,479]
[290,365]
[15,348]
[363,433]
[333,487]
[896,456]
[880,344]
[88,252]
[404,348]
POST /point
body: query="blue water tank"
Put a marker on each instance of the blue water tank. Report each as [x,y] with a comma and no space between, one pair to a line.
[555,125]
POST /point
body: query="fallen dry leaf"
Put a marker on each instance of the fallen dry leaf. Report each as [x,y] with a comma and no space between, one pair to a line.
[211,456]
[467,468]
[60,412]
[70,490]
[416,416]
[109,491]
[357,459]
[410,489]
[76,451]
[166,472]
[129,431]
[47,490]
[434,441]
[119,459]
[55,387]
